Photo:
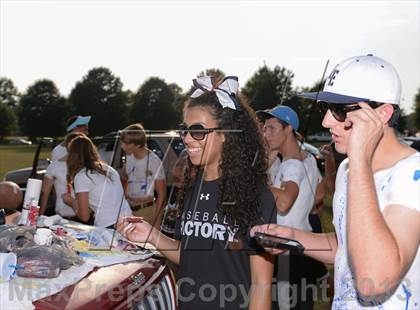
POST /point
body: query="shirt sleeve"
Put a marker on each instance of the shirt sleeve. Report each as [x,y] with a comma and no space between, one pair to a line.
[158,172]
[50,170]
[292,171]
[128,165]
[405,184]
[268,215]
[82,183]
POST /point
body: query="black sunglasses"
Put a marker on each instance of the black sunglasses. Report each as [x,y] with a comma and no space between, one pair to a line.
[197,131]
[339,111]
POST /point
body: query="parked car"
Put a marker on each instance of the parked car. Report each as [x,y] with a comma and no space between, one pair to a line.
[166,145]
[38,169]
[139,285]
[20,142]
[322,136]
[316,153]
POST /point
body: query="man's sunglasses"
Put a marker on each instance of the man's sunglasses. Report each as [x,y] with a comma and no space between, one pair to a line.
[197,131]
[339,111]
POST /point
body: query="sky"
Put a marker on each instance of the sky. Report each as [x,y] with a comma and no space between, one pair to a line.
[175,40]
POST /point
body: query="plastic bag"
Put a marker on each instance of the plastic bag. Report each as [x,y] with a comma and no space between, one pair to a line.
[13,238]
[36,261]
[40,261]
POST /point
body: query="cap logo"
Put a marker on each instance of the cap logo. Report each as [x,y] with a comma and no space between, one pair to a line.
[332,76]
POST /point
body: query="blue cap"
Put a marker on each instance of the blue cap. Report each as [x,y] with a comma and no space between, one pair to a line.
[283,113]
[79,121]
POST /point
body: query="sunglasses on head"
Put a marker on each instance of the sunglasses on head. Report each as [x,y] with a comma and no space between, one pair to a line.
[339,111]
[197,131]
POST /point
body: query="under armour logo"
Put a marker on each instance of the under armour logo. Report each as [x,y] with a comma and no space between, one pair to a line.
[206,196]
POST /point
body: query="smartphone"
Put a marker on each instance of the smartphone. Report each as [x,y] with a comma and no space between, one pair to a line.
[271,241]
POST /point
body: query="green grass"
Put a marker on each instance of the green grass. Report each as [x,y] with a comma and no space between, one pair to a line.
[14,157]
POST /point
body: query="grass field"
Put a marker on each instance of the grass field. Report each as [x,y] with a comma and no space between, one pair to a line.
[14,157]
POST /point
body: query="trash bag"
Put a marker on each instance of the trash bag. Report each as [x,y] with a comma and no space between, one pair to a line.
[41,261]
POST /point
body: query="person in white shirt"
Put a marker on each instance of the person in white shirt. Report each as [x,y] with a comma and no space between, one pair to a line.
[56,177]
[97,186]
[294,185]
[144,174]
[376,202]
[75,123]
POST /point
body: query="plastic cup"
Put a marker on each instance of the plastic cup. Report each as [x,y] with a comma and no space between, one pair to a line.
[7,266]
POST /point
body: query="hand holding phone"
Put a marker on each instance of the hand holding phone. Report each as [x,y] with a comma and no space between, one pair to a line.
[271,241]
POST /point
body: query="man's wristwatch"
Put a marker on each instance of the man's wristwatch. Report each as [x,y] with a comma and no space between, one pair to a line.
[2,217]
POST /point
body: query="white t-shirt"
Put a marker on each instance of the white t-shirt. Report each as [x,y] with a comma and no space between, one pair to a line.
[58,152]
[399,185]
[106,195]
[137,169]
[273,170]
[57,171]
[306,176]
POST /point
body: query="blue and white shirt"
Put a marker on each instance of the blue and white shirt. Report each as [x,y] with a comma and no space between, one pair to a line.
[398,185]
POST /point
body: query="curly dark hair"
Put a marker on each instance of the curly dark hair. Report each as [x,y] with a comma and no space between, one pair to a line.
[243,165]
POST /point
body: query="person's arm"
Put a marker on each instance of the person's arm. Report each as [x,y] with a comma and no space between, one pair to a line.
[262,268]
[160,188]
[321,247]
[137,230]
[330,168]
[80,204]
[285,196]
[394,234]
[47,184]
[382,245]
[319,193]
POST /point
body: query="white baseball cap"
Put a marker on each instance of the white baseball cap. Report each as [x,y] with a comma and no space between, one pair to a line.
[360,78]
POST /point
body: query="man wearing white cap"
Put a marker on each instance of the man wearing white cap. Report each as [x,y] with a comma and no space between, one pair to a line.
[377,198]
[75,123]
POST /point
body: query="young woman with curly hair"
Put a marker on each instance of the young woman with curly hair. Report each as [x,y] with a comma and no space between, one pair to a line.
[97,186]
[224,194]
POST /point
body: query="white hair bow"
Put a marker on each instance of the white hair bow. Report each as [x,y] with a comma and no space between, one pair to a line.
[225,92]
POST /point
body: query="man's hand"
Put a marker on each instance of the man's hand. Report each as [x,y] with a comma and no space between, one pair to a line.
[275,230]
[367,129]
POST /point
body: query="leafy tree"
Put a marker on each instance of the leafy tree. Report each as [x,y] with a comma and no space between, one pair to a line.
[8,92]
[42,110]
[269,87]
[214,72]
[417,110]
[153,105]
[178,103]
[7,120]
[310,116]
[100,95]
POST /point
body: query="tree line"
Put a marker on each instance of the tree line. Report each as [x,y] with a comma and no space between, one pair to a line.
[42,111]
